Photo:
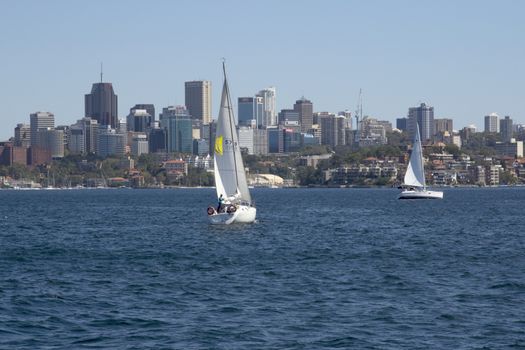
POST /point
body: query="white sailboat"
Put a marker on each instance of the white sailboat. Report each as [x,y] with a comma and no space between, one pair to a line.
[230,176]
[414,182]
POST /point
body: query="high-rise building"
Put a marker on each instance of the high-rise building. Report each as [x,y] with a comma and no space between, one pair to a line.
[22,135]
[198,99]
[139,145]
[305,109]
[110,142]
[101,105]
[139,120]
[157,140]
[269,110]
[40,120]
[245,111]
[424,117]
[492,123]
[402,124]
[443,124]
[333,130]
[178,124]
[260,142]
[245,137]
[77,139]
[51,140]
[150,108]
[505,127]
[289,117]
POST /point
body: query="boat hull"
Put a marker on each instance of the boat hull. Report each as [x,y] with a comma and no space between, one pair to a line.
[243,215]
[411,194]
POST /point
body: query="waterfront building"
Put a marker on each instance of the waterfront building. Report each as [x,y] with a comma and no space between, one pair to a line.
[269,110]
[77,139]
[101,105]
[178,124]
[424,117]
[198,99]
[11,154]
[492,123]
[505,126]
[305,109]
[208,133]
[40,120]
[22,135]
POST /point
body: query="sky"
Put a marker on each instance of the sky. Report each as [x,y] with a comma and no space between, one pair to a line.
[464,58]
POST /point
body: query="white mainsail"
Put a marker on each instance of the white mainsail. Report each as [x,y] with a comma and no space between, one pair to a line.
[230,176]
[415,175]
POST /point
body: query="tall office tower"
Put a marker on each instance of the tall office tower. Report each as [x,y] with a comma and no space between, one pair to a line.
[198,99]
[150,108]
[138,120]
[139,145]
[208,132]
[40,120]
[245,111]
[22,135]
[101,105]
[269,116]
[442,125]
[505,127]
[305,109]
[492,123]
[348,118]
[424,116]
[178,124]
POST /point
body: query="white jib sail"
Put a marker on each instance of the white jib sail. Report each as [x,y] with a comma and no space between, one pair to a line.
[415,175]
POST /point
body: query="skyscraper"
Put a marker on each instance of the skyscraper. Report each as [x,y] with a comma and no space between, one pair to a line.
[505,126]
[492,123]
[40,120]
[150,108]
[424,116]
[305,109]
[269,117]
[246,111]
[101,105]
[178,124]
[442,125]
[198,99]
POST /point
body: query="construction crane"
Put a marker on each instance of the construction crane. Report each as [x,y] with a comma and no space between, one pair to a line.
[358,117]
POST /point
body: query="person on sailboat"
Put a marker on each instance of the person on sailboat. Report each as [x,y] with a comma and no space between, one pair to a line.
[220,204]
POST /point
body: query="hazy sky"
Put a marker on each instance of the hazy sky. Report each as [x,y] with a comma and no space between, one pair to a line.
[465,58]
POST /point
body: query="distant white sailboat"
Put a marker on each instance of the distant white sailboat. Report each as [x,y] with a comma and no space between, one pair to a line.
[230,176]
[414,182]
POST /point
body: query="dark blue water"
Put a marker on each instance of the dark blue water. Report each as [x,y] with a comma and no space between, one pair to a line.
[322,269]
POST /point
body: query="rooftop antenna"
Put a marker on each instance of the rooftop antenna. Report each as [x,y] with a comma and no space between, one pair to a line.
[101,71]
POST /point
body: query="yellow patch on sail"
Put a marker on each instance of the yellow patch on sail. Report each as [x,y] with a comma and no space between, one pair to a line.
[218,145]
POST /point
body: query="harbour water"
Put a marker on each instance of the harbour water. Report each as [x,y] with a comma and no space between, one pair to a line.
[321,269]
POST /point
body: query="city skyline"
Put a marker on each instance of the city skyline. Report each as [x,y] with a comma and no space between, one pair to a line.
[456,60]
